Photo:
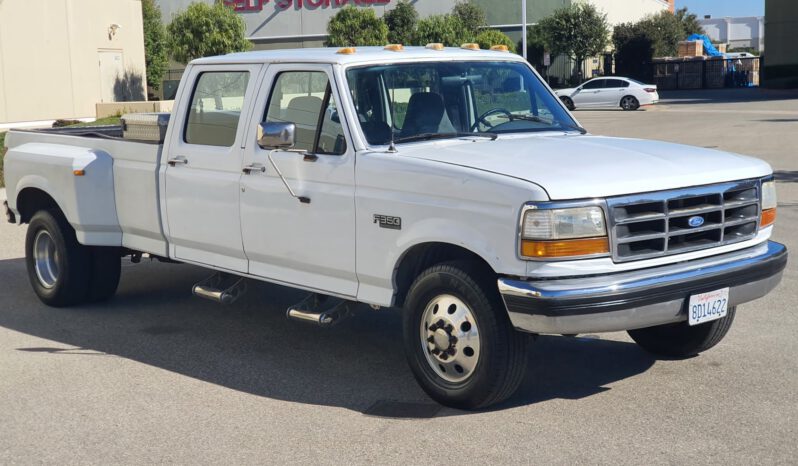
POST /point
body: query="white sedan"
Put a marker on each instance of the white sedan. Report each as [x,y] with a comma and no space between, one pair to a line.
[609,92]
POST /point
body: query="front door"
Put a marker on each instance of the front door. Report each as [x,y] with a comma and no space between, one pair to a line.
[309,243]
[203,166]
[589,94]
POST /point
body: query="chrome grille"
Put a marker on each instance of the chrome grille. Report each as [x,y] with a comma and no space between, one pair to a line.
[673,222]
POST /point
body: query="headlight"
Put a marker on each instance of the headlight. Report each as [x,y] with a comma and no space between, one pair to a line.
[769,202]
[563,232]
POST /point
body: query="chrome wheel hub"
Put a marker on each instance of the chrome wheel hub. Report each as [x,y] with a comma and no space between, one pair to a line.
[46,259]
[450,338]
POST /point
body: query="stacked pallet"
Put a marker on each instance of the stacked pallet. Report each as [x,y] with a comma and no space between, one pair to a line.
[691,48]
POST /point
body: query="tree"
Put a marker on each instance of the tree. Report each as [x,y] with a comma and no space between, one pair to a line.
[664,31]
[689,23]
[156,56]
[471,15]
[535,45]
[445,29]
[356,26]
[578,31]
[490,37]
[204,30]
[633,50]
[401,22]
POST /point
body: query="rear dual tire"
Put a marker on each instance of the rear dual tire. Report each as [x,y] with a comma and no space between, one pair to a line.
[63,272]
[459,341]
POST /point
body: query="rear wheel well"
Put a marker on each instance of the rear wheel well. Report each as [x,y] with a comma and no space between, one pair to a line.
[423,256]
[32,200]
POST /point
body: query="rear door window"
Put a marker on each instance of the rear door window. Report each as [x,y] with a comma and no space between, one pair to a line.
[616,83]
[215,111]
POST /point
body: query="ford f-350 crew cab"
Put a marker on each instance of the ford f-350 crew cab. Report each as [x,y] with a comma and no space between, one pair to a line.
[450,183]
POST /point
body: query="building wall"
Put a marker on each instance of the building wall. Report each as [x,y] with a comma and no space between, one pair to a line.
[781,59]
[624,11]
[50,55]
[291,23]
[746,31]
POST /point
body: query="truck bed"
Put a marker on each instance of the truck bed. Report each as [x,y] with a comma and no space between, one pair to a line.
[41,159]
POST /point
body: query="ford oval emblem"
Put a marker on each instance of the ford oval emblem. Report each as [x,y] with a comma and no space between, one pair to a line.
[696,221]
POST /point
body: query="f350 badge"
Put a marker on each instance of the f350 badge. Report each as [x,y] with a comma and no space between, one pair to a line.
[389,222]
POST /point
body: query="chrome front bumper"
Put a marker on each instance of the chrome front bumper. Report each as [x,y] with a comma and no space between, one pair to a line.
[641,298]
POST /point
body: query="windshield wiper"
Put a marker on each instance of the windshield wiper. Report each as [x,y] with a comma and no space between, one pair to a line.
[538,119]
[429,136]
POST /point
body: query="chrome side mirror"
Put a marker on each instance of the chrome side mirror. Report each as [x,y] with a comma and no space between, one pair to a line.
[276,135]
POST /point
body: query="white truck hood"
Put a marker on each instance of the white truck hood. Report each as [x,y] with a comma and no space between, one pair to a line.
[578,167]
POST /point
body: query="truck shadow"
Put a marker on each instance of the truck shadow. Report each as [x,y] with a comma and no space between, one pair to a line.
[251,347]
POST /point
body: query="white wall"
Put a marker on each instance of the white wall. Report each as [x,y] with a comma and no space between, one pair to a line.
[748,31]
[624,11]
[49,55]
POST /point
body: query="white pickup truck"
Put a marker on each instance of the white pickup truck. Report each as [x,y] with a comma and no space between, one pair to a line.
[448,182]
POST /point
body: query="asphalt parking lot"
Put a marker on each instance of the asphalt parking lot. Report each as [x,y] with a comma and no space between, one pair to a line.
[158,376]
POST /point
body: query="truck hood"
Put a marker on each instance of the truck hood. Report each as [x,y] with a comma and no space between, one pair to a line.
[578,167]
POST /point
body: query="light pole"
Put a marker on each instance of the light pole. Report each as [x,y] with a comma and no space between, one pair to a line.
[523,29]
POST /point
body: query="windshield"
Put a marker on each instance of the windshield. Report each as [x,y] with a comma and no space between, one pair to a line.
[417,101]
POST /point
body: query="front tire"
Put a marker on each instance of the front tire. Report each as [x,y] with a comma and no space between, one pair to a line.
[680,340]
[59,268]
[459,341]
[568,102]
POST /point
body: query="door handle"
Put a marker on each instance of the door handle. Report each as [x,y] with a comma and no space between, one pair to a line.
[255,167]
[179,160]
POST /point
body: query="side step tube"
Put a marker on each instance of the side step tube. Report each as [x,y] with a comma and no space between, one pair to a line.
[221,288]
[321,310]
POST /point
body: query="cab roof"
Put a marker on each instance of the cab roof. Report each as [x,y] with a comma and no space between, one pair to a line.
[361,55]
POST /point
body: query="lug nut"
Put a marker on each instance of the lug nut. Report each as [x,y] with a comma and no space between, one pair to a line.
[431,339]
[449,328]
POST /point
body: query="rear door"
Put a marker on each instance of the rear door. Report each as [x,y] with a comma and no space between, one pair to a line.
[312,243]
[203,166]
[613,91]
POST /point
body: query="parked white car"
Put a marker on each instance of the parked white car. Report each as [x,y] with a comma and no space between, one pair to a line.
[450,183]
[609,92]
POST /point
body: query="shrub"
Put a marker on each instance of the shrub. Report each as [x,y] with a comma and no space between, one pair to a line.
[204,30]
[353,26]
[401,22]
[490,37]
[471,16]
[445,29]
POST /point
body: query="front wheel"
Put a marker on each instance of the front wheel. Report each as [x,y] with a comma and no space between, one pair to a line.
[680,340]
[459,341]
[568,102]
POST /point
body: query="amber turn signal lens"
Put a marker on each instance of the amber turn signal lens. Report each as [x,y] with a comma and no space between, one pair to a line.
[565,248]
[79,172]
[768,218]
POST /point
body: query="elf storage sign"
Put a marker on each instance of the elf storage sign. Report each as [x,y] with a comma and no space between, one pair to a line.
[255,6]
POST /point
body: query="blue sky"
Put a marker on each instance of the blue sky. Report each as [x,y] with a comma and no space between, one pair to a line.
[721,8]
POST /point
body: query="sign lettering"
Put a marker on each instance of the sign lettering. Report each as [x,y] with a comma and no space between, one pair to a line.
[255,6]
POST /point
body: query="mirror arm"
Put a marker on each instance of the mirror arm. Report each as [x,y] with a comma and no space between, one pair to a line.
[302,199]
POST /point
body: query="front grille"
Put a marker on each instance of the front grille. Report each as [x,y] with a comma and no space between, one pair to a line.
[673,222]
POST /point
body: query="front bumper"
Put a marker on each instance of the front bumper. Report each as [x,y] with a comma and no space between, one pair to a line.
[641,298]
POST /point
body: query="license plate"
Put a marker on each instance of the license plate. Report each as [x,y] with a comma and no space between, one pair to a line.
[706,307]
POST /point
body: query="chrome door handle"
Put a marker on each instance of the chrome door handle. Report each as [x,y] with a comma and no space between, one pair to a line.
[255,167]
[179,160]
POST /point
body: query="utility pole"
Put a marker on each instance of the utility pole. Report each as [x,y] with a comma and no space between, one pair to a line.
[523,29]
